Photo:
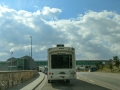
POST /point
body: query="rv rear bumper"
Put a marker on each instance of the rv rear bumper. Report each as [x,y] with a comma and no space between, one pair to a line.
[60,77]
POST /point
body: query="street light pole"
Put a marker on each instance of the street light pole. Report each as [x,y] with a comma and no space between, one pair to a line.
[89,57]
[11,61]
[31,51]
[31,46]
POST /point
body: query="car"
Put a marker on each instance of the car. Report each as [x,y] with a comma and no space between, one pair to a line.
[45,70]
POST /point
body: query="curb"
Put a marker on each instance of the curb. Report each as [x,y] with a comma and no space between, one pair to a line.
[35,83]
[38,83]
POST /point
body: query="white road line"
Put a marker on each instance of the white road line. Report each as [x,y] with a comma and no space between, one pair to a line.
[85,77]
[91,80]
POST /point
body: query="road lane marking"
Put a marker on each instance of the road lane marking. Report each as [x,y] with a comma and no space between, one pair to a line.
[77,77]
[91,80]
[85,77]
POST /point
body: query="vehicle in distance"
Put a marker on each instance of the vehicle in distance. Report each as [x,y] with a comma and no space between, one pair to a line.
[61,63]
[40,69]
[45,70]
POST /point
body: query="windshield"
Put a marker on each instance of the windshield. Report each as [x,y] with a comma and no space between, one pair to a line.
[61,61]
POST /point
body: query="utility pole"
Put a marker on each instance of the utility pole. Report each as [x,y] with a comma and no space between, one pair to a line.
[11,61]
[31,51]
[31,46]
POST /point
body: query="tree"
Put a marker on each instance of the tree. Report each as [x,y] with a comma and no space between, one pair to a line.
[116,61]
[110,60]
[110,66]
[101,67]
[115,58]
[97,65]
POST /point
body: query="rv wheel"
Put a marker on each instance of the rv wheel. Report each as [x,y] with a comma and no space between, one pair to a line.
[68,81]
[48,81]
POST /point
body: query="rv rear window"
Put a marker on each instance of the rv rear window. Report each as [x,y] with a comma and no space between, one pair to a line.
[61,61]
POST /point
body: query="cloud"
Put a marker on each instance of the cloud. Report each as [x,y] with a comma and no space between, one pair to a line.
[91,30]
[3,54]
[51,12]
[94,35]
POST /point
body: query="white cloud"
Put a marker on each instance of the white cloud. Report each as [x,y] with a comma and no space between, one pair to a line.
[94,34]
[11,44]
[3,54]
[51,12]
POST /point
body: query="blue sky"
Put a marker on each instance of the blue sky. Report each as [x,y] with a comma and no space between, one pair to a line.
[92,27]
[70,8]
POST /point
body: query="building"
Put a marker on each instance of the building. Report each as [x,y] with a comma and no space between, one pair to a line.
[27,63]
[23,63]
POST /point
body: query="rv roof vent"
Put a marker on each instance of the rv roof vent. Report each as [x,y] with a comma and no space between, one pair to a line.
[60,45]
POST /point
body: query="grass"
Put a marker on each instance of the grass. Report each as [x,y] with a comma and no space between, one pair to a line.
[114,70]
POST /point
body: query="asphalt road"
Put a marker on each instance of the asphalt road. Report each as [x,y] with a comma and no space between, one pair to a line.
[108,80]
[85,81]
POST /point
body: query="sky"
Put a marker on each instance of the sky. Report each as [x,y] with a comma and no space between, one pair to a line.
[92,27]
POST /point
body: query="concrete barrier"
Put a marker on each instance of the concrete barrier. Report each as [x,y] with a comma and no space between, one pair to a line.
[11,78]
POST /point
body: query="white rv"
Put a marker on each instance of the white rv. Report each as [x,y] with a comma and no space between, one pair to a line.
[61,63]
